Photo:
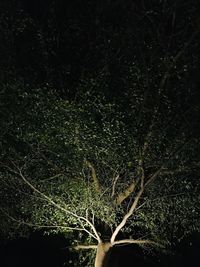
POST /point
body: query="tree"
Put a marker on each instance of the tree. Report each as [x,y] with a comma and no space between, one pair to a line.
[109,165]
[100,173]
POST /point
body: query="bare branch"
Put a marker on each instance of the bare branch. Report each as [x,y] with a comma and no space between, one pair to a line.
[41,225]
[49,200]
[85,247]
[133,241]
[88,232]
[127,215]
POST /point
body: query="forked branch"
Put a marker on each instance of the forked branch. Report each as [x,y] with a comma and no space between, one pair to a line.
[58,206]
[126,216]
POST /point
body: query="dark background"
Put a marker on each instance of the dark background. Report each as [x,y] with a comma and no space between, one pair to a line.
[42,251]
[58,43]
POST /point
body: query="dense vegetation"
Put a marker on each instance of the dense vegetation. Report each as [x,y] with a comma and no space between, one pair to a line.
[99,126]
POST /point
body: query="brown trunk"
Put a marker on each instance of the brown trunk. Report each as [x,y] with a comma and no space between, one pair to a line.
[102,254]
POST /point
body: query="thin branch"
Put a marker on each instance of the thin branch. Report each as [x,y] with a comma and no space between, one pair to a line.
[85,247]
[148,136]
[153,176]
[132,241]
[48,199]
[51,178]
[167,196]
[173,172]
[139,207]
[141,169]
[94,176]
[89,233]
[93,216]
[114,185]
[176,58]
[41,225]
[158,198]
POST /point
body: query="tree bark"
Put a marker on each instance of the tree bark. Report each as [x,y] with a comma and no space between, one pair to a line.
[102,254]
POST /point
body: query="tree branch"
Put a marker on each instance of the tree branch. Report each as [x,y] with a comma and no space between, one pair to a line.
[49,200]
[143,185]
[85,247]
[41,225]
[176,58]
[126,193]
[127,215]
[132,241]
[114,185]
[153,176]
[131,188]
[94,176]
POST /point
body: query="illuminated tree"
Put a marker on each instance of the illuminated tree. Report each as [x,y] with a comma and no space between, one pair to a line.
[99,173]
[117,163]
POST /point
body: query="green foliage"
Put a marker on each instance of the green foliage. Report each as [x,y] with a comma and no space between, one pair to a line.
[126,97]
[52,141]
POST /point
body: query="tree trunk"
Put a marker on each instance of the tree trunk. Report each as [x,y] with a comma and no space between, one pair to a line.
[102,254]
